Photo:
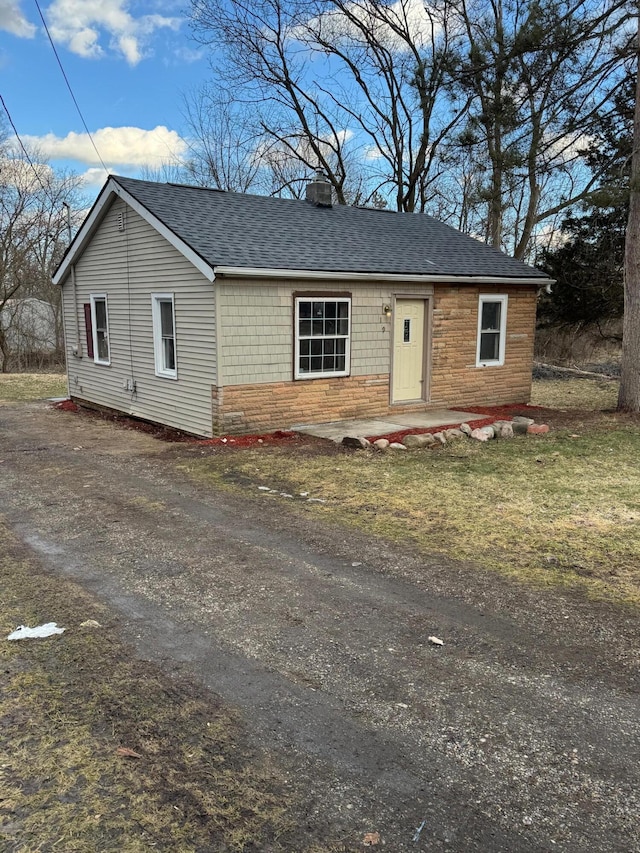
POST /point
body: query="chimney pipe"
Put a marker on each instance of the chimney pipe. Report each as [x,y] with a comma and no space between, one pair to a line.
[319,190]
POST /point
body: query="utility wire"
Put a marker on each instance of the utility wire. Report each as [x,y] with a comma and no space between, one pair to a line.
[66,80]
[24,150]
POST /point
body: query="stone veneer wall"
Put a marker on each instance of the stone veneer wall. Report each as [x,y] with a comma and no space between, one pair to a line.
[278,405]
[455,381]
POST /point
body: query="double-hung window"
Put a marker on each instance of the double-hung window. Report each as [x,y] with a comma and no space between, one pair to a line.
[164,335]
[100,328]
[322,336]
[492,329]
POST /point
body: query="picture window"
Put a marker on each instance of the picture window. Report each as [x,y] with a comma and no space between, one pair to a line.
[322,339]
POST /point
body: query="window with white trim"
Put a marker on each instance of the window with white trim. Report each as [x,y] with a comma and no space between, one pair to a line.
[164,335]
[100,328]
[492,329]
[322,337]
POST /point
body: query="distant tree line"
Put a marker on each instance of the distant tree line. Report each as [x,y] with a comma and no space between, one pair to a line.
[33,236]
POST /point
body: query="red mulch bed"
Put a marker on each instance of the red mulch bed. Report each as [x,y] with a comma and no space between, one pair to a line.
[280,436]
[66,406]
[174,435]
[486,416]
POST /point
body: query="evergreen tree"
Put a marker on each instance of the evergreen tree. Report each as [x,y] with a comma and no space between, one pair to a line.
[588,265]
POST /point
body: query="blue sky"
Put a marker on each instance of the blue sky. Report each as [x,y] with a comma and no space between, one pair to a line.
[128,63]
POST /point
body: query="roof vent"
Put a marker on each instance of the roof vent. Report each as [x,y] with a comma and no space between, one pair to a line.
[120,220]
[319,190]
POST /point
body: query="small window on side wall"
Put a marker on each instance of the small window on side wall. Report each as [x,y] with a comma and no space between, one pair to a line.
[492,328]
[100,329]
[164,335]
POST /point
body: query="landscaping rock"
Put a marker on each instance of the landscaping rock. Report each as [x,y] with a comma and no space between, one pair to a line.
[381,443]
[440,436]
[466,429]
[519,427]
[453,434]
[414,441]
[429,440]
[537,429]
[503,430]
[520,419]
[483,433]
[356,441]
[395,445]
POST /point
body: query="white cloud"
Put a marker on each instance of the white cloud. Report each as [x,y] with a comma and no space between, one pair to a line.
[80,24]
[94,177]
[13,21]
[16,171]
[118,146]
[188,55]
[411,18]
[567,148]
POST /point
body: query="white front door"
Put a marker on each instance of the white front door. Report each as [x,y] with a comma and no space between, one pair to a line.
[408,350]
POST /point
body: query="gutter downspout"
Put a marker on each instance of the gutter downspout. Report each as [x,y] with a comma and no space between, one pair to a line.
[219,386]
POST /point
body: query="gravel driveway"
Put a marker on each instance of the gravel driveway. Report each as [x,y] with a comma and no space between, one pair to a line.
[520,733]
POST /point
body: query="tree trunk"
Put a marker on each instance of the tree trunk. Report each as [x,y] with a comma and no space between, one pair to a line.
[629,396]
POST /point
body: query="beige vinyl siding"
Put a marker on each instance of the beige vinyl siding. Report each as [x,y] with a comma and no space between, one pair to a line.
[129,266]
[256,335]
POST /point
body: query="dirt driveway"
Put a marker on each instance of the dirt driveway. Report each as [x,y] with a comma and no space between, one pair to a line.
[521,733]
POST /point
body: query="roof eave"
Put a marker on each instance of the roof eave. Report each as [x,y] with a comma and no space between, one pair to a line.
[336,275]
[87,229]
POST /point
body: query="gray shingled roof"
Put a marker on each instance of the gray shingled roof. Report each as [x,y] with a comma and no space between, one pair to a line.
[238,230]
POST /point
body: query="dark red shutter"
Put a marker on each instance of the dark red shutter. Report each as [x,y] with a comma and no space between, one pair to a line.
[89,328]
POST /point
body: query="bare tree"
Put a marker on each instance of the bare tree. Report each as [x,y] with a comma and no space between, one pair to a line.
[226,142]
[33,233]
[354,87]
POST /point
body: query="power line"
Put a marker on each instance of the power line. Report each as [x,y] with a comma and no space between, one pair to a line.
[24,150]
[66,80]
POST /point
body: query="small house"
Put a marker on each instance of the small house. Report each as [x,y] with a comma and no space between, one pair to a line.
[218,312]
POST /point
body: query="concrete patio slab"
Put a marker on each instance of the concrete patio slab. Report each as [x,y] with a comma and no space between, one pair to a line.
[336,430]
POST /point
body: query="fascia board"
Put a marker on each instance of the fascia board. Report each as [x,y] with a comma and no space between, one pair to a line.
[113,188]
[332,275]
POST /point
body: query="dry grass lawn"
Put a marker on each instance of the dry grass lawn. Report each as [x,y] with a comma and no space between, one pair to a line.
[69,702]
[575,394]
[16,387]
[557,510]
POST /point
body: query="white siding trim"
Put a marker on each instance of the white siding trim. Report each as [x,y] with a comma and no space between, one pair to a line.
[332,275]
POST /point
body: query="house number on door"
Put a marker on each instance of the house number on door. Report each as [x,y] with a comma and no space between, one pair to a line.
[407,331]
